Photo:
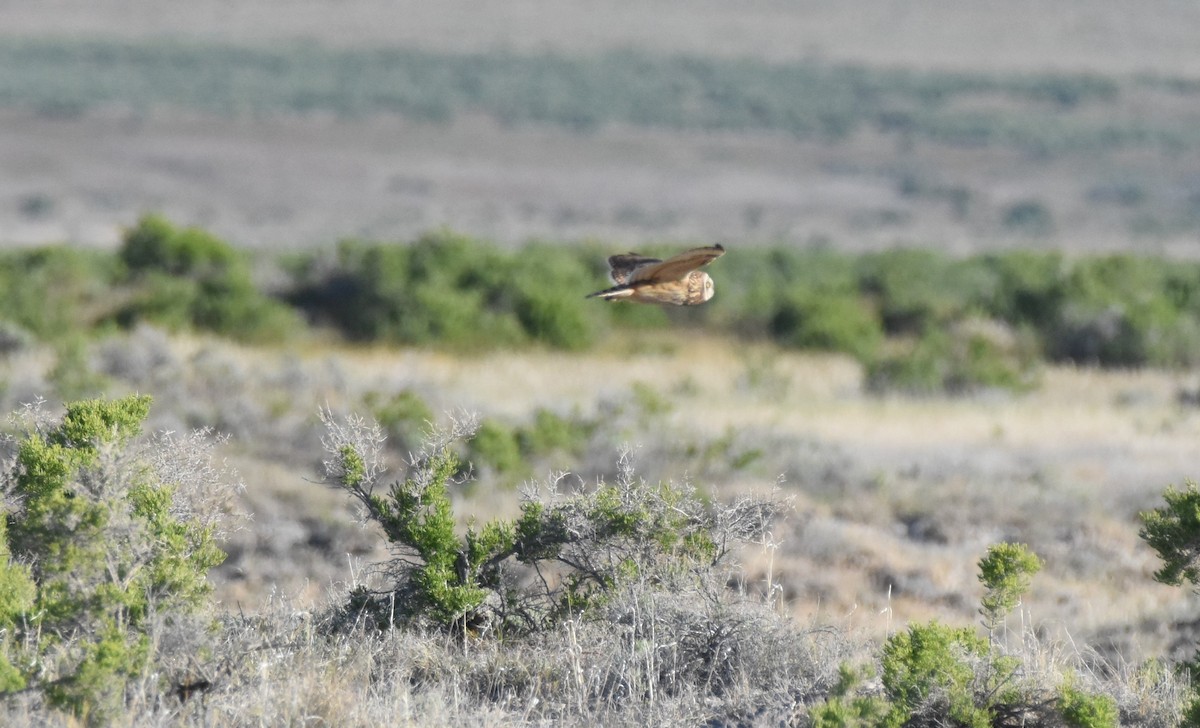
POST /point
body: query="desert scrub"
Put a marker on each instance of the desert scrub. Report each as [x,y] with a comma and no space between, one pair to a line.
[404,416]
[107,540]
[704,657]
[1173,531]
[1005,572]
[456,292]
[930,669]
[1080,709]
[936,675]
[189,278]
[509,453]
[919,321]
[959,357]
[566,553]
[1050,113]
[827,322]
[82,281]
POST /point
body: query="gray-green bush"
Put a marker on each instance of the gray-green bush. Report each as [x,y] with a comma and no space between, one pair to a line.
[455,291]
[917,320]
[935,675]
[1056,112]
[188,278]
[106,539]
[586,546]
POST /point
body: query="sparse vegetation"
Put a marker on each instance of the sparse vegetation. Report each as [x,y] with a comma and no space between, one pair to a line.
[951,325]
[1005,573]
[1173,531]
[105,553]
[917,320]
[190,279]
[1054,111]
[586,548]
[933,674]
[519,573]
[637,619]
[453,291]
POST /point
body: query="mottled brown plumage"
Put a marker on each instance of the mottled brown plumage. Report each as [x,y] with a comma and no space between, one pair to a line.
[674,281]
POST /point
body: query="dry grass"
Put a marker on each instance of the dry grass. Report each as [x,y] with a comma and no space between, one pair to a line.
[900,495]
[897,497]
[896,500]
[283,668]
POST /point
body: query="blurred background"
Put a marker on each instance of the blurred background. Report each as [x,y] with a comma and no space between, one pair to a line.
[291,123]
[961,303]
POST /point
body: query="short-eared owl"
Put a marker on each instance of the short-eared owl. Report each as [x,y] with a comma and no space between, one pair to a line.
[675,280]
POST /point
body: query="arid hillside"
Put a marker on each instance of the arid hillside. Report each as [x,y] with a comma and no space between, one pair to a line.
[959,307]
[1078,136]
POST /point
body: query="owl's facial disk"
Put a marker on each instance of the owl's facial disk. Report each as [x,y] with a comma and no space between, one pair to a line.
[709,289]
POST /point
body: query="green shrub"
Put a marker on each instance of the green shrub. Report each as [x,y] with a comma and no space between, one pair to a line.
[234,307]
[190,279]
[453,291]
[1123,310]
[932,666]
[512,452]
[846,709]
[496,446]
[547,281]
[827,322]
[1173,531]
[915,290]
[1080,709]
[546,318]
[550,433]
[963,357]
[915,366]
[1029,287]
[951,673]
[1005,573]
[987,354]
[72,374]
[154,244]
[164,299]
[405,416]
[597,540]
[98,546]
[919,321]
[752,282]
[83,286]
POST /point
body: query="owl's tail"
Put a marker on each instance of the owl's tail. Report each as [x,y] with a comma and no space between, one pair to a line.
[614,293]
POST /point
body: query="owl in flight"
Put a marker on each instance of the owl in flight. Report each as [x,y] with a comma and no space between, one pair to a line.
[675,280]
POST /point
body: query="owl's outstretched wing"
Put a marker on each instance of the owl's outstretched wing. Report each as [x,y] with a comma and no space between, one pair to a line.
[676,267]
[624,265]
